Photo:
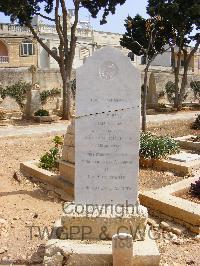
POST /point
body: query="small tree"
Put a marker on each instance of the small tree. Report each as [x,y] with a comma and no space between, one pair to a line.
[56,11]
[183,16]
[145,37]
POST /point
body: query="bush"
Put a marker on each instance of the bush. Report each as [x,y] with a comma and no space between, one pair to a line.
[196,124]
[195,85]
[48,160]
[16,91]
[195,139]
[46,94]
[170,90]
[195,189]
[41,112]
[155,147]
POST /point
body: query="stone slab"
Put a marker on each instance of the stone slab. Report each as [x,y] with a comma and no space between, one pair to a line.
[165,201]
[67,171]
[107,159]
[184,157]
[68,154]
[107,82]
[31,169]
[95,222]
[145,253]
[180,168]
[186,143]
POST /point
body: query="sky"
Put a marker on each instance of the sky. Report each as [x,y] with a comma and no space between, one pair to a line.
[115,23]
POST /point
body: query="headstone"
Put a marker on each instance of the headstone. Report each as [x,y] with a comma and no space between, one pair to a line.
[152,98]
[107,129]
[33,102]
[10,104]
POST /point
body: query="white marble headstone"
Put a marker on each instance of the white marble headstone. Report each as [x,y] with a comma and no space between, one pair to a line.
[107,129]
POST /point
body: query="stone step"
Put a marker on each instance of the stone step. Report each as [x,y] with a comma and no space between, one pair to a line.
[98,253]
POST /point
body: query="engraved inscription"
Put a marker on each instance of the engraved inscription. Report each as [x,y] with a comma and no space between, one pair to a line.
[109,156]
[108,70]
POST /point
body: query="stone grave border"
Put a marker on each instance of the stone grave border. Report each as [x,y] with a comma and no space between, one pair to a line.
[165,201]
[180,168]
[30,169]
[45,119]
[187,144]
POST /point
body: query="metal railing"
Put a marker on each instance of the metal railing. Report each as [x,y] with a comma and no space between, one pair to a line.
[4,59]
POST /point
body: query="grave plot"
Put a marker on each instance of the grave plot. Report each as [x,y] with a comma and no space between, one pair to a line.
[63,180]
[189,142]
[183,163]
[170,202]
[106,171]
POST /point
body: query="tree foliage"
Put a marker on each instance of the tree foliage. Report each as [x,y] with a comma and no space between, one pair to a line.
[145,34]
[108,6]
[24,10]
[183,17]
[145,37]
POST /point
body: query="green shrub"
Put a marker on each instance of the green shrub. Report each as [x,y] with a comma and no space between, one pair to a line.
[170,90]
[16,91]
[195,189]
[48,160]
[155,147]
[46,94]
[196,124]
[41,112]
[196,138]
[195,85]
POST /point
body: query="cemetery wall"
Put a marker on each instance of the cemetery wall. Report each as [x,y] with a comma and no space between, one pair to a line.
[47,79]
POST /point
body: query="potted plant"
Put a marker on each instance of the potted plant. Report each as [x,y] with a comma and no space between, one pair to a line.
[43,115]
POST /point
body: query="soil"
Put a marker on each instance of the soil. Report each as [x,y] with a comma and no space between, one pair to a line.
[188,196]
[24,204]
[176,128]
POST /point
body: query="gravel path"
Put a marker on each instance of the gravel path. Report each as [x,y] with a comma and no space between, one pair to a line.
[34,130]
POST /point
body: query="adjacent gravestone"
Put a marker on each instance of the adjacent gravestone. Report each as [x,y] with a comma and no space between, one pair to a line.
[152,98]
[33,102]
[107,129]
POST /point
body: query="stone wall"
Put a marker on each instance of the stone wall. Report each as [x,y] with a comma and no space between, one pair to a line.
[159,81]
[47,79]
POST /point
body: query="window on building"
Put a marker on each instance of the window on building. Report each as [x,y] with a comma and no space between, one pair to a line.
[143,60]
[27,48]
[84,52]
[54,50]
[131,56]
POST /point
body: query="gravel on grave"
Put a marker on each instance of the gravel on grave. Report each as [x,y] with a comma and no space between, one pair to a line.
[188,196]
[24,204]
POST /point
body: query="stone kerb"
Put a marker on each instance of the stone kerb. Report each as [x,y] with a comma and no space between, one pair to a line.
[67,161]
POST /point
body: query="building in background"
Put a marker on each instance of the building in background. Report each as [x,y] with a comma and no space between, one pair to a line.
[19,49]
